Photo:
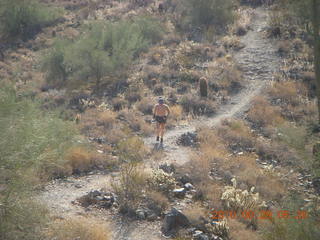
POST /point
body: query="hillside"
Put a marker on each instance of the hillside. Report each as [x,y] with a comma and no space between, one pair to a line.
[79,155]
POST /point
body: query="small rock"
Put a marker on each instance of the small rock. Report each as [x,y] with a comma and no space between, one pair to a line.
[188,186]
[141,214]
[188,139]
[152,217]
[179,192]
[199,235]
[184,179]
[167,168]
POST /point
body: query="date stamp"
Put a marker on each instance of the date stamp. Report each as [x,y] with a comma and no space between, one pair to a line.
[262,215]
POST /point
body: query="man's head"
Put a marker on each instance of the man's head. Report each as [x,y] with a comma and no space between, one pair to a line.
[161,100]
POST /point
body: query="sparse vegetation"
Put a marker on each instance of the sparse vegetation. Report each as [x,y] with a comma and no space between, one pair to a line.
[78,228]
[210,13]
[33,149]
[22,19]
[103,53]
[96,69]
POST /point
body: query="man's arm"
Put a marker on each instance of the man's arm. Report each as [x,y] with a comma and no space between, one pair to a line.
[154,111]
[168,110]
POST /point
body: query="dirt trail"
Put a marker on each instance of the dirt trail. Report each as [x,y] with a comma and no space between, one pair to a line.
[258,60]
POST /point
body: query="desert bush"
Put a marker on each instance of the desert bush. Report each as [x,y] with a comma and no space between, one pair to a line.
[263,114]
[256,2]
[237,135]
[287,92]
[132,149]
[53,64]
[150,28]
[158,199]
[162,181]
[293,136]
[242,200]
[204,13]
[32,146]
[239,231]
[118,103]
[21,218]
[103,53]
[78,228]
[79,159]
[24,18]
[294,228]
[196,106]
[135,121]
[145,106]
[107,119]
[130,187]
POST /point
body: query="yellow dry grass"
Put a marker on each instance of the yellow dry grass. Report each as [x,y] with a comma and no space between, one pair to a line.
[263,114]
[78,228]
[79,159]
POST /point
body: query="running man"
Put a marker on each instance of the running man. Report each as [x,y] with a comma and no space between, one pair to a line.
[161,112]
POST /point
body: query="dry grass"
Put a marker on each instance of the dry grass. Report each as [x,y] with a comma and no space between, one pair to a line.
[248,172]
[132,149]
[78,228]
[79,159]
[145,106]
[130,187]
[236,134]
[287,92]
[175,116]
[107,119]
[136,122]
[159,199]
[239,231]
[232,42]
[195,214]
[263,114]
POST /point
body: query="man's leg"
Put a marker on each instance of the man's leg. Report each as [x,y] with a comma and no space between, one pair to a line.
[162,128]
[158,130]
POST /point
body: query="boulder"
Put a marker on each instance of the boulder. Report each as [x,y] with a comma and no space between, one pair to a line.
[173,221]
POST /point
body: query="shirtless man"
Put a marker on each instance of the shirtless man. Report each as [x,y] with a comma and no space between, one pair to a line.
[161,112]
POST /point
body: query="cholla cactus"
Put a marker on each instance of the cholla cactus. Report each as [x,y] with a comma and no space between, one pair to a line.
[162,181]
[239,200]
[220,228]
[102,106]
[87,103]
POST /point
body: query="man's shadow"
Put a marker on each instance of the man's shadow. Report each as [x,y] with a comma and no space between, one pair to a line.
[158,146]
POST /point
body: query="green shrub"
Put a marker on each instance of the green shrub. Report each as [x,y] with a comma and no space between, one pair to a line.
[103,53]
[54,65]
[206,13]
[150,28]
[295,227]
[24,18]
[32,146]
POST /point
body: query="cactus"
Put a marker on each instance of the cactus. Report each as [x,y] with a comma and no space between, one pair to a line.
[203,87]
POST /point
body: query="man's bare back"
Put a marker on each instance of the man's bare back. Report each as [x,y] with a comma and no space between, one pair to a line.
[161,110]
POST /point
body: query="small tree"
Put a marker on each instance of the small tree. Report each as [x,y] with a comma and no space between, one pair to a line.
[315,6]
[24,18]
[54,65]
[205,13]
